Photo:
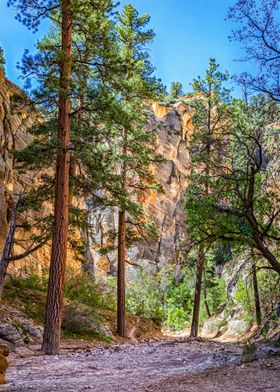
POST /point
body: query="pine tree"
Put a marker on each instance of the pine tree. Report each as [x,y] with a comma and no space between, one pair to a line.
[57,71]
[137,150]
[2,59]
[210,121]
[176,90]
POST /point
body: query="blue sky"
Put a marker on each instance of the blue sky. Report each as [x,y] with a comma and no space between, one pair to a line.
[188,33]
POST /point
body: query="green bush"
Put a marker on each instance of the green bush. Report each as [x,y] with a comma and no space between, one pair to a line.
[161,298]
[81,288]
[29,292]
[144,297]
[178,300]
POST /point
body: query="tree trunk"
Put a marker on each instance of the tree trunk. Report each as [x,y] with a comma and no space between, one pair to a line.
[256,294]
[206,304]
[122,249]
[4,262]
[54,308]
[121,275]
[196,306]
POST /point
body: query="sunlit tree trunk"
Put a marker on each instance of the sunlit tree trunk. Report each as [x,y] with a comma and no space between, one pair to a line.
[54,308]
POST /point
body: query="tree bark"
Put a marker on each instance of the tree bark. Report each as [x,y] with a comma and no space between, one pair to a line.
[4,262]
[122,250]
[256,294]
[54,308]
[206,304]
[121,275]
[196,306]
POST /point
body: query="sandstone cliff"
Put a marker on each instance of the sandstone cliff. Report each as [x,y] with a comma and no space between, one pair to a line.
[14,124]
[172,124]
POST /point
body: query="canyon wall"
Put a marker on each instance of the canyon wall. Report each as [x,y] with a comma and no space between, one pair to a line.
[172,124]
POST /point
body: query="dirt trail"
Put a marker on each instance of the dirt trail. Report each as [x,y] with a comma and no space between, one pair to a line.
[158,366]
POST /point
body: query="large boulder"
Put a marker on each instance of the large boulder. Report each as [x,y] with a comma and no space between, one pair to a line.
[238,327]
[211,327]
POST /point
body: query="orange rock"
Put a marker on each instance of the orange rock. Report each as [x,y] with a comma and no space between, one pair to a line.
[4,350]
[2,379]
[3,364]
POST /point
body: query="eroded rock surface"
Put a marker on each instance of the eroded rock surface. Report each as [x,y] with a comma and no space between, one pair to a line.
[14,123]
[16,330]
[172,124]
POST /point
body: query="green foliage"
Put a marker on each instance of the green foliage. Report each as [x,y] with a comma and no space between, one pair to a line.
[82,295]
[178,302]
[167,296]
[244,296]
[28,292]
[2,59]
[233,177]
[82,289]
[176,90]
[144,297]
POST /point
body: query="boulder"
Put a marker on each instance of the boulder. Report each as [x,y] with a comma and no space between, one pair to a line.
[238,327]
[211,327]
[11,334]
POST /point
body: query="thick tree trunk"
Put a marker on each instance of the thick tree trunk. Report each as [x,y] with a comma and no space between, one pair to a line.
[197,296]
[54,308]
[121,275]
[256,294]
[4,262]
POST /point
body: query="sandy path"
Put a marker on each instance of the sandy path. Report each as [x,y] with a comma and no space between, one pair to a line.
[159,366]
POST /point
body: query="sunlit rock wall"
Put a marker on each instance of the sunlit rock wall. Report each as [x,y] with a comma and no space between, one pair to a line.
[173,126]
[17,117]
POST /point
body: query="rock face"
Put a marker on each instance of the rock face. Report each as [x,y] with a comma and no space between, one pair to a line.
[16,118]
[14,123]
[173,127]
[16,330]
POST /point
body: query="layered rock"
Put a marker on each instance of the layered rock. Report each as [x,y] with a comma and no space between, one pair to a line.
[14,123]
[17,117]
[172,124]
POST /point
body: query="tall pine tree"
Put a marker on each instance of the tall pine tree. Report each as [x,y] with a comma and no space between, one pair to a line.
[135,86]
[210,121]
